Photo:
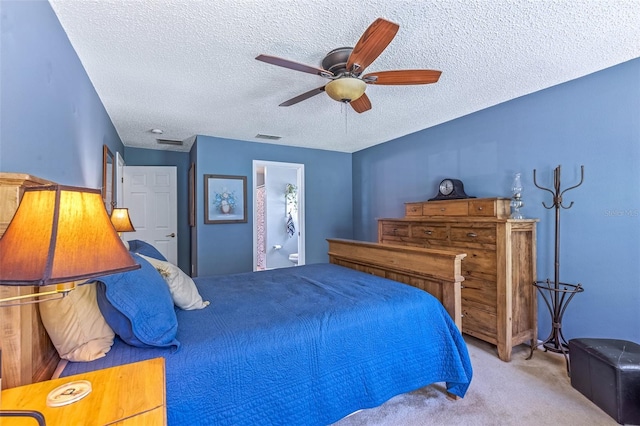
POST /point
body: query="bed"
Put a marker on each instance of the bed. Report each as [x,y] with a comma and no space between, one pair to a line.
[390,339]
[302,345]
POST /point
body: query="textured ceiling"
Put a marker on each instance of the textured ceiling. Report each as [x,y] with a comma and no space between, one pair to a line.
[188,68]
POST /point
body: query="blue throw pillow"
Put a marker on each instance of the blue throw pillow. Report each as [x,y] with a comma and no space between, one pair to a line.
[143,247]
[138,306]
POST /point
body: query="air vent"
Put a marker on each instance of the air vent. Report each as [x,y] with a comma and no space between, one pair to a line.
[268,137]
[169,142]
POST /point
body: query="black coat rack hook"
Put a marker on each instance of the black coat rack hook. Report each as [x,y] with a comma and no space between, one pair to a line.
[557,194]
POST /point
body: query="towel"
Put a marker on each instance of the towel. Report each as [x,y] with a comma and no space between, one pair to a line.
[291,229]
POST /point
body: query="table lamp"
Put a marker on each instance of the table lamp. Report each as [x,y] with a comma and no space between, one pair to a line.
[60,235]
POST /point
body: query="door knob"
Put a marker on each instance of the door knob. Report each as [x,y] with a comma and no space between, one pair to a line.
[172,235]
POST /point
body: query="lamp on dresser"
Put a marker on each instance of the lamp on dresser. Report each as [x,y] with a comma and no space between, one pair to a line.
[59,237]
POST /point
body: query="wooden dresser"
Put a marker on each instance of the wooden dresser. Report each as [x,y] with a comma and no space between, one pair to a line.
[498,295]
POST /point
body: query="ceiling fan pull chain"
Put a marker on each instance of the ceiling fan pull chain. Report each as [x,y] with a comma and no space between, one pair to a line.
[346,114]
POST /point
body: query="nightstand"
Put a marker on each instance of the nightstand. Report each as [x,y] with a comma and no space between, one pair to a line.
[130,394]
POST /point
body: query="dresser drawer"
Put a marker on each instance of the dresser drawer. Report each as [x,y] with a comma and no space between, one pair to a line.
[490,207]
[477,292]
[479,323]
[395,229]
[413,209]
[482,207]
[447,208]
[429,231]
[479,263]
[480,235]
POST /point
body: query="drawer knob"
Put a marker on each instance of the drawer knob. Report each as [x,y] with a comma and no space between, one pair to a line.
[442,209]
[472,235]
[428,232]
[479,208]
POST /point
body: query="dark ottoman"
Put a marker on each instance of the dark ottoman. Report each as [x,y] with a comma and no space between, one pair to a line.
[607,371]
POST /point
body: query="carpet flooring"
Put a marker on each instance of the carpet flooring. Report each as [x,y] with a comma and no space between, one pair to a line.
[521,392]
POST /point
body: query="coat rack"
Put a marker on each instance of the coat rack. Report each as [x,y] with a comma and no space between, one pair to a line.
[556,294]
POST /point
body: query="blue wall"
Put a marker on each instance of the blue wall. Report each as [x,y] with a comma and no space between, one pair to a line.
[227,248]
[592,121]
[154,157]
[52,123]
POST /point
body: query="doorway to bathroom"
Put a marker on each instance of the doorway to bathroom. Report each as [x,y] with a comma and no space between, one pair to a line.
[278,215]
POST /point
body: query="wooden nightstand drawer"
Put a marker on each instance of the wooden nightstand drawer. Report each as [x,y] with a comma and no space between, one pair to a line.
[130,394]
[149,418]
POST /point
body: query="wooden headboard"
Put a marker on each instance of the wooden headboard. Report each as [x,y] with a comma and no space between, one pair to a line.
[28,355]
[435,271]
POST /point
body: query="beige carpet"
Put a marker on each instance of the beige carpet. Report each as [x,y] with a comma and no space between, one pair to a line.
[521,392]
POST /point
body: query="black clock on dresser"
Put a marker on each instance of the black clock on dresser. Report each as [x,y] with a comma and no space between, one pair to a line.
[450,189]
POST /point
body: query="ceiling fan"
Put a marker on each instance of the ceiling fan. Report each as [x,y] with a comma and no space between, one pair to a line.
[344,67]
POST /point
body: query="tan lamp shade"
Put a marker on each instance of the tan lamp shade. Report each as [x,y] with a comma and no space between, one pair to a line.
[121,220]
[345,89]
[61,234]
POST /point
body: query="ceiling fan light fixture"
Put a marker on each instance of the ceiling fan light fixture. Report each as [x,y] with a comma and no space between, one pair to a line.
[345,89]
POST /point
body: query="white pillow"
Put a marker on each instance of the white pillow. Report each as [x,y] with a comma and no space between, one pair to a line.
[183,290]
[76,326]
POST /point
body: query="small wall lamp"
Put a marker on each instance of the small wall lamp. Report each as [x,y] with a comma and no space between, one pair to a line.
[121,221]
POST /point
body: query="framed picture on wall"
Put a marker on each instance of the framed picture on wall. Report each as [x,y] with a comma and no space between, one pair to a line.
[225,199]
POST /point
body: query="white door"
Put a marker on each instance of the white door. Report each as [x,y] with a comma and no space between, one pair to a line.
[150,194]
[119,172]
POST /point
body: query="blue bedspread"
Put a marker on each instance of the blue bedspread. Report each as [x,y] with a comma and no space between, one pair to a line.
[306,345]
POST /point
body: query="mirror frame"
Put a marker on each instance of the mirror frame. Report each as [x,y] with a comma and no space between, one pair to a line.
[108,179]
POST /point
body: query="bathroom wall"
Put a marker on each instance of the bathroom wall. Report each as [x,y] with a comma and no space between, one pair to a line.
[276,179]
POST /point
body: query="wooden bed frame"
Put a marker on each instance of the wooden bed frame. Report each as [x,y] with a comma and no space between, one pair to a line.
[28,355]
[435,271]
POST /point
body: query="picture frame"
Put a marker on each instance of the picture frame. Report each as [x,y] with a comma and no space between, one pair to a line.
[225,199]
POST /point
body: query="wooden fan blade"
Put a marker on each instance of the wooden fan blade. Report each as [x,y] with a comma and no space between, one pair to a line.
[374,40]
[361,104]
[401,77]
[274,60]
[302,97]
